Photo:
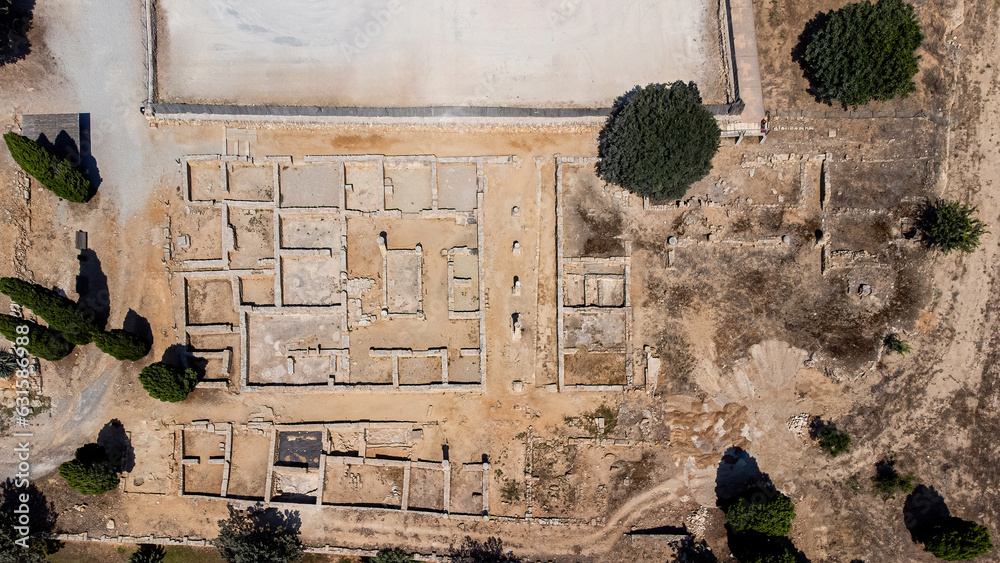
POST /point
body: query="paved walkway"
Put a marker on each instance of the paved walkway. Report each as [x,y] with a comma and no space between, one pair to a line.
[745,60]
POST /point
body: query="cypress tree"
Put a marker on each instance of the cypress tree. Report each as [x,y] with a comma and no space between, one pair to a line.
[55,173]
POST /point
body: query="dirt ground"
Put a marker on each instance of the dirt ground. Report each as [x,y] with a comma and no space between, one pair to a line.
[753,334]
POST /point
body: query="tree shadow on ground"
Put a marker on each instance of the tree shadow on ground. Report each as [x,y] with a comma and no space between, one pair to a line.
[87,163]
[738,471]
[138,325]
[118,445]
[270,519]
[688,550]
[924,506]
[813,26]
[92,287]
[41,513]
[178,355]
[753,546]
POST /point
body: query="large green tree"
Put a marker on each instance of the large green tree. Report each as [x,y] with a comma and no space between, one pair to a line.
[42,342]
[168,383]
[91,471]
[59,312]
[658,141]
[121,345]
[257,535]
[55,173]
[863,52]
[954,539]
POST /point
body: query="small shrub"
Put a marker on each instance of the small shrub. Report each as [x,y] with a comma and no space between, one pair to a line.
[55,173]
[168,383]
[121,345]
[950,225]
[59,312]
[392,556]
[895,344]
[147,553]
[833,441]
[91,472]
[511,492]
[954,539]
[8,364]
[769,513]
[43,342]
[887,481]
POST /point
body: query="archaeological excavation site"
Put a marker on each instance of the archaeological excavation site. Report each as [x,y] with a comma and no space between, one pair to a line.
[362,278]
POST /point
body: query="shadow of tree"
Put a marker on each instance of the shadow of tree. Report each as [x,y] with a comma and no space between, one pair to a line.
[178,355]
[738,471]
[92,287]
[118,445]
[41,517]
[138,325]
[923,506]
[813,26]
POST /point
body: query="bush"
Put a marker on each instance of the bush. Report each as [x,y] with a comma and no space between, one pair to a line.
[887,481]
[91,472]
[833,441]
[121,345]
[168,383]
[863,52]
[256,535]
[658,141]
[43,342]
[895,344]
[147,553]
[769,513]
[59,312]
[954,539]
[55,173]
[392,556]
[950,225]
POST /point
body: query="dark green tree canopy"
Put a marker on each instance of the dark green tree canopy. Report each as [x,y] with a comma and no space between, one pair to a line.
[91,472]
[766,512]
[954,539]
[42,519]
[168,383]
[14,24]
[862,52]
[121,345]
[950,225]
[55,173]
[257,535]
[59,312]
[43,342]
[658,141]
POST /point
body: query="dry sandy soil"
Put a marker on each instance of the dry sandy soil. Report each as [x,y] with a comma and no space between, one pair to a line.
[751,337]
[548,53]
